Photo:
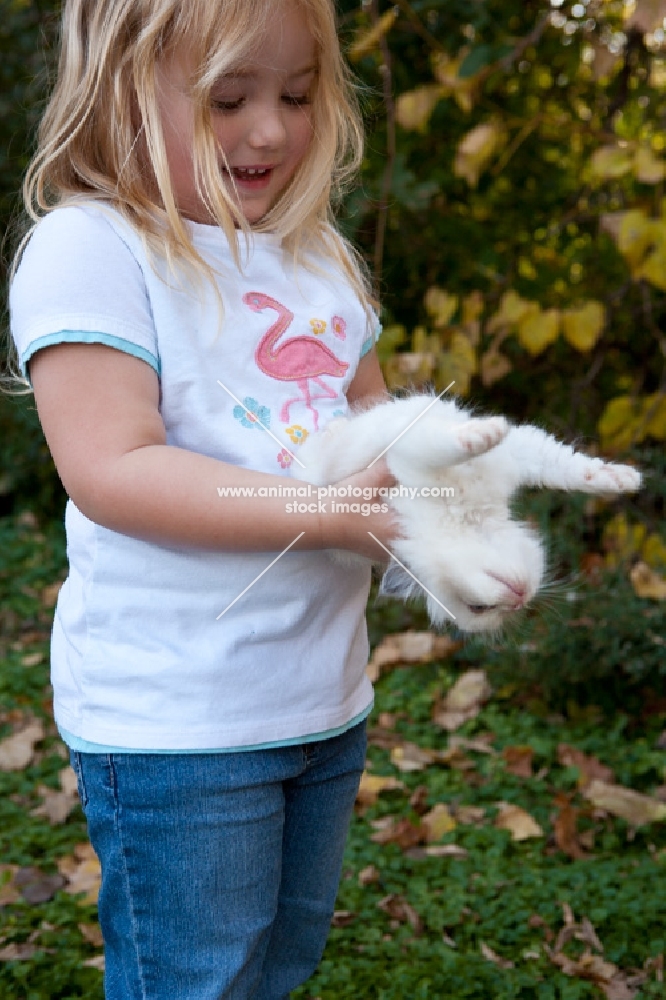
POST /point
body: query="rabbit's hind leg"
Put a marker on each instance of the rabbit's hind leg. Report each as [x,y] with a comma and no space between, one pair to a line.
[597,476]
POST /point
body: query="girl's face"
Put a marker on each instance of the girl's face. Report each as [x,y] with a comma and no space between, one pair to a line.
[261,117]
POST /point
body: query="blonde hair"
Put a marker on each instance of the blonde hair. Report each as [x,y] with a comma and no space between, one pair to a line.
[102,122]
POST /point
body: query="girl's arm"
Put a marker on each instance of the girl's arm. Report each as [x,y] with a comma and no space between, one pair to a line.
[99,409]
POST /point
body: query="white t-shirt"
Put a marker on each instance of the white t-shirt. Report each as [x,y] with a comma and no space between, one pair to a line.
[140,656]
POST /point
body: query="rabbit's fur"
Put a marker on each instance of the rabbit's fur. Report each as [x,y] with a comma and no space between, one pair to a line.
[476,563]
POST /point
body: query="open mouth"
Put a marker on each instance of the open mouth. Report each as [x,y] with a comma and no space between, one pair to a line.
[255,176]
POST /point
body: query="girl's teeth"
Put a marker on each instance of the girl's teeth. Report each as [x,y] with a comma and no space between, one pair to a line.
[250,172]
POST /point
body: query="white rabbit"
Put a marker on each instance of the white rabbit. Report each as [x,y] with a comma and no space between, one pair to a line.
[475,563]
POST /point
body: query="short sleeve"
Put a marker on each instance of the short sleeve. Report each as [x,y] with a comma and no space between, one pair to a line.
[80,281]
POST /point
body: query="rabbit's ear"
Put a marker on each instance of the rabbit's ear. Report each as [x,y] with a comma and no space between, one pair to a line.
[398,583]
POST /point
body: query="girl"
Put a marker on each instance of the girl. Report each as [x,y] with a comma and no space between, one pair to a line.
[187,315]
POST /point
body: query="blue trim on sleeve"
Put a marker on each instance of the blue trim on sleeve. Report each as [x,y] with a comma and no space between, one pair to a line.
[85,746]
[371,341]
[88,337]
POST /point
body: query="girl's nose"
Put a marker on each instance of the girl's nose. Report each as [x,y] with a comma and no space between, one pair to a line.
[267,128]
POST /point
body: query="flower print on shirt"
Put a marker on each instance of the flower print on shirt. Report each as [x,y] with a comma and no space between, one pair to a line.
[251,414]
[339,327]
[284,459]
[297,433]
[318,326]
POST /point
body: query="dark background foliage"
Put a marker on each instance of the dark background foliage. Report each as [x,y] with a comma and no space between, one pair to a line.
[533,215]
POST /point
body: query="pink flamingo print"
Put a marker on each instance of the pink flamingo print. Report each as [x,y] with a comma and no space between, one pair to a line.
[300,359]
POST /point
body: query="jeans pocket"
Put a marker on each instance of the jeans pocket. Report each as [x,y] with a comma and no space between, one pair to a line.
[77,767]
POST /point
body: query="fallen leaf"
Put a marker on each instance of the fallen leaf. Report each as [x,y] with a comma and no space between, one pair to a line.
[629,805]
[372,785]
[438,822]
[470,815]
[519,823]
[17,952]
[31,659]
[369,875]
[518,760]
[410,757]
[343,918]
[397,907]
[56,806]
[17,751]
[590,768]
[647,583]
[436,851]
[402,832]
[418,800]
[565,827]
[464,700]
[93,934]
[492,956]
[97,962]
[83,872]
[50,593]
[409,647]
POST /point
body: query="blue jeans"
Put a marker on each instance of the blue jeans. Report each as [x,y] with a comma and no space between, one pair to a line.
[219,871]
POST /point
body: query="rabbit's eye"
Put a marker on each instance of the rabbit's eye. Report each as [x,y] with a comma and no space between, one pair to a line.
[478,609]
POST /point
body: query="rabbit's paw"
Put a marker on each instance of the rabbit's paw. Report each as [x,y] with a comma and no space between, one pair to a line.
[605,477]
[480,435]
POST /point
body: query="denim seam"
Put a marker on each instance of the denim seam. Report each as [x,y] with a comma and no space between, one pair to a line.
[114,785]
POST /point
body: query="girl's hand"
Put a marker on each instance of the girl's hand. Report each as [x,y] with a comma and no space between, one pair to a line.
[354,531]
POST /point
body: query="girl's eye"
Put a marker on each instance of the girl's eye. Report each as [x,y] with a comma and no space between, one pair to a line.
[228,105]
[296,100]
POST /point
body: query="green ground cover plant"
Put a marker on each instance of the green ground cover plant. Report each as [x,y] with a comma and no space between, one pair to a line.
[462,909]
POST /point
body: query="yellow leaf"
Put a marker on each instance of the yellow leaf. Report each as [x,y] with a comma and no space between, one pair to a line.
[446,69]
[619,422]
[649,169]
[472,307]
[494,366]
[440,305]
[438,822]
[654,415]
[621,540]
[519,823]
[372,785]
[413,108]
[512,309]
[634,807]
[611,162]
[368,40]
[476,150]
[582,326]
[538,329]
[635,235]
[457,364]
[653,268]
[647,583]
[653,551]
